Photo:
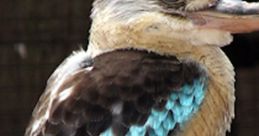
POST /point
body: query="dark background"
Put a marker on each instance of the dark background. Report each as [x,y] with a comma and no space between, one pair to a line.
[36,35]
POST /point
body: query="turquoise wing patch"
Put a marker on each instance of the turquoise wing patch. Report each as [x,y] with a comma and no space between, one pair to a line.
[179,108]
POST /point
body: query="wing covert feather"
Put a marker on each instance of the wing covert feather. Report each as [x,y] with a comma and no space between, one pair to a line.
[118,89]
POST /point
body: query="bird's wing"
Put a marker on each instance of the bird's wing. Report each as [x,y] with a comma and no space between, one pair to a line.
[74,63]
[126,92]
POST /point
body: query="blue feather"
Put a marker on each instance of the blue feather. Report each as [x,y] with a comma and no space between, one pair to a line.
[136,131]
[108,132]
[153,122]
[187,89]
[161,131]
[177,112]
[169,122]
[186,100]
[174,96]
[169,105]
[179,108]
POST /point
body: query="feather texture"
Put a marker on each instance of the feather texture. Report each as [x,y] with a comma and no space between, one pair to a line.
[122,89]
[179,108]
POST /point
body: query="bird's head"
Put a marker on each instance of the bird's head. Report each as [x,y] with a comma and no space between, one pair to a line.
[156,24]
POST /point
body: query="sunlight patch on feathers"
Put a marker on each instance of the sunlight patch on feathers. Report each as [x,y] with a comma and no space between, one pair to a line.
[117,108]
[65,94]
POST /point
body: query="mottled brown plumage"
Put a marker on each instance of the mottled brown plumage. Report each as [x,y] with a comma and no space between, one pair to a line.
[140,80]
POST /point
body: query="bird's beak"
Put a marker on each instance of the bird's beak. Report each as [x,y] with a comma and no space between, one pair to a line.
[234,16]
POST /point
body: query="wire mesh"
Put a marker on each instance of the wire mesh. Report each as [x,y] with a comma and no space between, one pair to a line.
[36,35]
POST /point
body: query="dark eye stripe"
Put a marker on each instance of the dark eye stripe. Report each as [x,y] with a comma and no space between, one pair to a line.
[175,4]
[170,1]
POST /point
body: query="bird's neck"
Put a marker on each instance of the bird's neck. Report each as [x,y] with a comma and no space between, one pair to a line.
[209,56]
[108,37]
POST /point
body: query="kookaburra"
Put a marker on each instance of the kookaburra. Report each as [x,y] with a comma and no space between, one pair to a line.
[152,68]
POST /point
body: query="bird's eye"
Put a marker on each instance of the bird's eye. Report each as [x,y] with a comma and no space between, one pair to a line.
[170,1]
[174,3]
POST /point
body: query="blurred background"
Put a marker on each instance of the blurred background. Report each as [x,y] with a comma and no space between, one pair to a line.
[36,35]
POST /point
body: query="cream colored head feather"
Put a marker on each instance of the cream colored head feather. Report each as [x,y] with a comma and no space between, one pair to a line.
[146,24]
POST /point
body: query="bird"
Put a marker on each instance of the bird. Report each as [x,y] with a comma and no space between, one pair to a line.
[152,68]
